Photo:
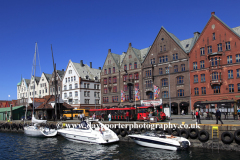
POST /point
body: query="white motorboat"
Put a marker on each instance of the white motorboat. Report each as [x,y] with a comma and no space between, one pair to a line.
[38,131]
[89,132]
[160,141]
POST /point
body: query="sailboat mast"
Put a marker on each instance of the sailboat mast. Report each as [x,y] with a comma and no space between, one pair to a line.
[55,84]
[34,70]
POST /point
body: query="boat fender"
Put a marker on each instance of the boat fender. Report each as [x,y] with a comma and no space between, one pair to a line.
[175,131]
[143,130]
[168,131]
[158,130]
[184,133]
[237,135]
[117,131]
[229,138]
[123,132]
[135,130]
[8,126]
[193,133]
[203,138]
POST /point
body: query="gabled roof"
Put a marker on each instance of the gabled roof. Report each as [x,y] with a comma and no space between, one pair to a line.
[85,70]
[141,54]
[48,76]
[37,79]
[60,73]
[118,58]
[27,81]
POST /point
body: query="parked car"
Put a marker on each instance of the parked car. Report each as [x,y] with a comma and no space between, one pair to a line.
[28,118]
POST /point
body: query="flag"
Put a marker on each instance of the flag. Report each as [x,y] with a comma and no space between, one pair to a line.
[122,96]
[156,91]
[137,94]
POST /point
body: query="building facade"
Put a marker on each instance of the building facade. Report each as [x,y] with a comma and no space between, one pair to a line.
[59,78]
[215,66]
[81,86]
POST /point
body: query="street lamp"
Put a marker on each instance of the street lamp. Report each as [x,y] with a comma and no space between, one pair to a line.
[169,65]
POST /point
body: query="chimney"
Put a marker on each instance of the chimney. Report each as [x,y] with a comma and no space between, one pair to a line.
[130,45]
[196,34]
[99,68]
[90,64]
[81,63]
[109,50]
[62,69]
[213,13]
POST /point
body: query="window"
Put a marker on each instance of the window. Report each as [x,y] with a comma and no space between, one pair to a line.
[40,92]
[86,101]
[238,87]
[161,48]
[183,67]
[71,79]
[231,88]
[148,73]
[135,65]
[220,47]
[105,90]
[70,86]
[68,79]
[215,76]
[124,78]
[163,59]
[164,82]
[105,71]
[238,73]
[113,69]
[137,85]
[125,67]
[130,66]
[216,89]
[209,49]
[105,99]
[202,51]
[202,65]
[180,93]
[230,73]
[70,94]
[165,94]
[164,47]
[180,80]
[175,68]
[214,61]
[196,92]
[160,71]
[76,85]
[126,97]
[160,59]
[238,58]
[213,36]
[74,78]
[115,89]
[109,70]
[85,86]
[203,90]
[125,87]
[229,59]
[166,70]
[130,56]
[130,76]
[228,47]
[114,79]
[65,88]
[149,83]
[136,76]
[202,77]
[88,85]
[76,93]
[115,99]
[104,81]
[110,80]
[194,65]
[166,58]
[195,78]
[65,95]
[70,71]
[153,61]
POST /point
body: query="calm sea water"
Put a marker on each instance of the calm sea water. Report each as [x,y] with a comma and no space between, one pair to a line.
[18,146]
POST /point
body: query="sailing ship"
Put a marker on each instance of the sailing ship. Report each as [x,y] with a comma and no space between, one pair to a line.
[36,130]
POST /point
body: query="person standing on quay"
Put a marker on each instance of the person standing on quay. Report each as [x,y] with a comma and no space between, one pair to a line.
[109,116]
[218,116]
[127,116]
[198,116]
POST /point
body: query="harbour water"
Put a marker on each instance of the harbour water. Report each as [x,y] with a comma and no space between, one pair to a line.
[18,146]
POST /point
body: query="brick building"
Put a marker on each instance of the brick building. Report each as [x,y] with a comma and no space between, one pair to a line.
[215,66]
[167,67]
[122,73]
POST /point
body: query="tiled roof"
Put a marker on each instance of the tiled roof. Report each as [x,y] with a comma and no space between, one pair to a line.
[37,79]
[27,81]
[48,76]
[237,30]
[85,70]
[141,54]
[60,73]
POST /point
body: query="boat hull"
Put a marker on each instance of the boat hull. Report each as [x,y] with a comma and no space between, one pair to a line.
[32,131]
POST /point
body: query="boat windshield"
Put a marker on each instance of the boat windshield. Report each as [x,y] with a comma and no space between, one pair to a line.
[84,125]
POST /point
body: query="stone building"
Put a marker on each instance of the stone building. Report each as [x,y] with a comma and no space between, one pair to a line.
[215,66]
[59,79]
[166,66]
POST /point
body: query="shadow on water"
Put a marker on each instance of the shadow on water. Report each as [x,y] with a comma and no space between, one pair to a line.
[19,146]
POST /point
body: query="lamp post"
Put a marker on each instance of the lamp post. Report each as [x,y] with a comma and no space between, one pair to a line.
[169,90]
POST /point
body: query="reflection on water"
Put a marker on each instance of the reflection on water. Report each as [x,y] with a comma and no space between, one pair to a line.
[19,146]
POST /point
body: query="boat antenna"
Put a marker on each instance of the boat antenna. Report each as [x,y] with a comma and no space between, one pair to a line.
[55,84]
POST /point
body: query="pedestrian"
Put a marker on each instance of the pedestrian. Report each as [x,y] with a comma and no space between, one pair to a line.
[127,116]
[93,116]
[198,116]
[218,116]
[192,113]
[109,116]
[83,116]
[182,112]
[102,119]
[80,117]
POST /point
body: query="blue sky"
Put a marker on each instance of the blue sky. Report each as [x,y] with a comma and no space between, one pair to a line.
[86,29]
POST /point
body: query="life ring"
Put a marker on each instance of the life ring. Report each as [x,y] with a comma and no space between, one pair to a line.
[205,138]
[193,133]
[175,131]
[168,131]
[123,132]
[227,140]
[184,131]
[237,135]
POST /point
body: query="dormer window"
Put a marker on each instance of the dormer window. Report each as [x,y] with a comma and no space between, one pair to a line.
[70,71]
[187,45]
[87,77]
[96,78]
